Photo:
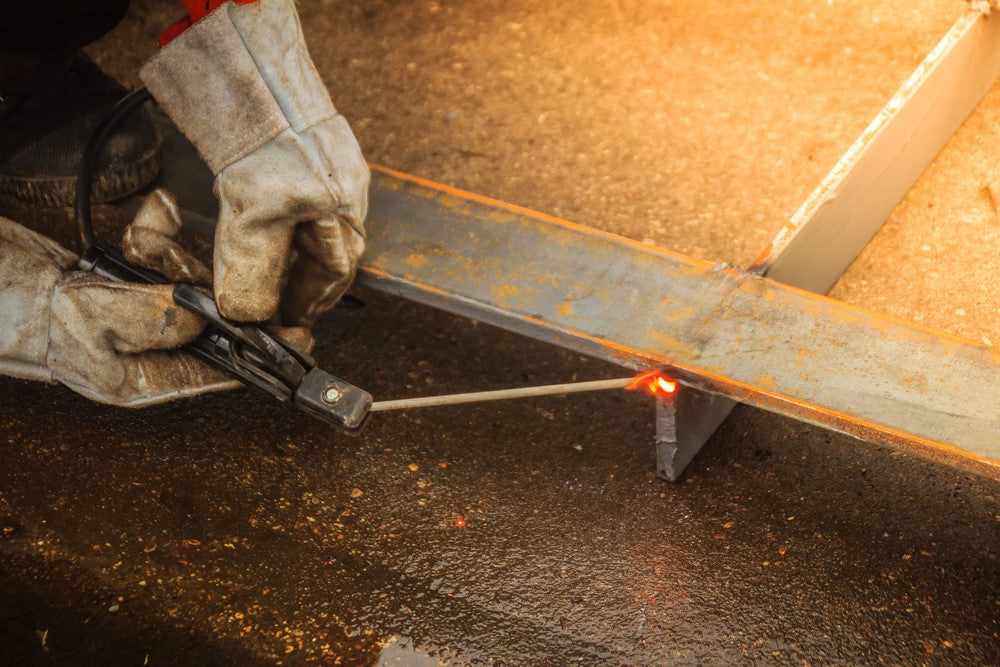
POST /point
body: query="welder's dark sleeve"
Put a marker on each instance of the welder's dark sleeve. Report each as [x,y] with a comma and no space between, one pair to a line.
[39,38]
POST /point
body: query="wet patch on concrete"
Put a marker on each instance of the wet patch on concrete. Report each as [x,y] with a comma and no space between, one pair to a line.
[528,531]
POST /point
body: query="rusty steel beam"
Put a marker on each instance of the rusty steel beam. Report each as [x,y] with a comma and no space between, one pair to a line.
[718,329]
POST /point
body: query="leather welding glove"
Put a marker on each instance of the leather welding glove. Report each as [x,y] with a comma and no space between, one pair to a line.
[112,342]
[291,181]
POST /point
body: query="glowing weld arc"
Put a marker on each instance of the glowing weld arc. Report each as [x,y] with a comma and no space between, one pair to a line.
[654,382]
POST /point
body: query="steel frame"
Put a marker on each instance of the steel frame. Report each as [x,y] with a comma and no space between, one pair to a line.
[722,331]
[849,206]
[763,336]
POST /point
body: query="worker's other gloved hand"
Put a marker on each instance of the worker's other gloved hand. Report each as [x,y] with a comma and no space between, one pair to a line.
[112,342]
[291,181]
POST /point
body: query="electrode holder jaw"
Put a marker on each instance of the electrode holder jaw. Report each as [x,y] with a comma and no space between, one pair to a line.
[331,399]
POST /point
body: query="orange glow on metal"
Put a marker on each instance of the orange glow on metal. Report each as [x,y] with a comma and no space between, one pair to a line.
[654,382]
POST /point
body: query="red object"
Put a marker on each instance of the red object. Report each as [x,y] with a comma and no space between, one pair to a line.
[655,383]
[197,10]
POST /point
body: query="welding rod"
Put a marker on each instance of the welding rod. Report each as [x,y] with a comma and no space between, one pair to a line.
[500,394]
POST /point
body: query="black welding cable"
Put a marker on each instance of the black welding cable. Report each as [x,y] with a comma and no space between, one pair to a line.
[95,144]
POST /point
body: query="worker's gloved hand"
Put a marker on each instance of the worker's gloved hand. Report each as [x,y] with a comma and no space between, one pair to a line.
[112,342]
[291,181]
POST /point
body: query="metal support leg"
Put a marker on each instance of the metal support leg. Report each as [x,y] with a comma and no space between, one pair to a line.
[684,422]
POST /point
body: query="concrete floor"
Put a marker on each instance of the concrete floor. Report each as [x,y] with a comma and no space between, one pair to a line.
[228,531]
[159,533]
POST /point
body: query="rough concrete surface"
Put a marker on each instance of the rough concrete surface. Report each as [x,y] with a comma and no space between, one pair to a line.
[942,240]
[228,531]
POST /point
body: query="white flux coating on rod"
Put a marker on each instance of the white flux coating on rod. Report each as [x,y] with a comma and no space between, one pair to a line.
[500,394]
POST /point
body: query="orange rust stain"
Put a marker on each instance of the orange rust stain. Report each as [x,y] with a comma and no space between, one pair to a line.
[753,287]
[679,314]
[675,348]
[565,308]
[416,260]
[693,269]
[374,262]
[814,309]
[763,257]
[765,382]
[731,272]
[505,291]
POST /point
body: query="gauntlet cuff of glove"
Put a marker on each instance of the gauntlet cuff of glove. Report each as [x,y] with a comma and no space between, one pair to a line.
[248,62]
[208,83]
[272,33]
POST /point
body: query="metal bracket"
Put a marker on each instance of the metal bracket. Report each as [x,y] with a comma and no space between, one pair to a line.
[684,423]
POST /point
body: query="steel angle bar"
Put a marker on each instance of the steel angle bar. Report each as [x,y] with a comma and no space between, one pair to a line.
[720,330]
[846,210]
